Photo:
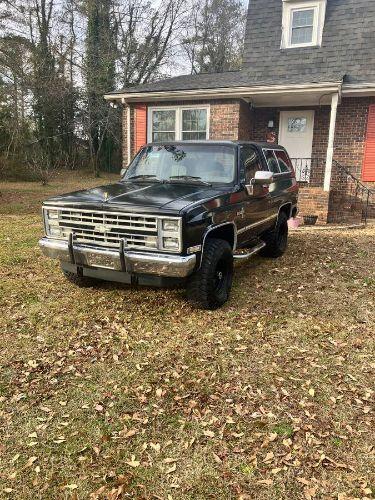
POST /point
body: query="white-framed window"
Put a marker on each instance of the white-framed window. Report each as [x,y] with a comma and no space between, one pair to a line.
[174,123]
[303,23]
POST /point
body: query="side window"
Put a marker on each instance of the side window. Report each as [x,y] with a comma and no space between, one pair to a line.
[272,163]
[284,161]
[250,162]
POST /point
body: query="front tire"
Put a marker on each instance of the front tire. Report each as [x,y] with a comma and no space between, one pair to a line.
[276,240]
[209,287]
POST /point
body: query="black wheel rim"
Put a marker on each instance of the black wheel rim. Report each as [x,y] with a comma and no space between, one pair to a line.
[220,276]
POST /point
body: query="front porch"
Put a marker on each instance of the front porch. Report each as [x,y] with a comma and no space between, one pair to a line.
[324,133]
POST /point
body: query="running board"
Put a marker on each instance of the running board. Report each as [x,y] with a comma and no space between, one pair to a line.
[253,251]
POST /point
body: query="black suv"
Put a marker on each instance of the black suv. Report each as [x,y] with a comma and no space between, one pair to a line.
[179,213]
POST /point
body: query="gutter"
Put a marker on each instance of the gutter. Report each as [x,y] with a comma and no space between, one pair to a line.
[326,87]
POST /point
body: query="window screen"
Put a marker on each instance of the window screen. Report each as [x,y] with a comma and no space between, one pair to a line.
[164,125]
[302,26]
[194,124]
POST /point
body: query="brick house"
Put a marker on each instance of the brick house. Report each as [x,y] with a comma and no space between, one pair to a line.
[307,82]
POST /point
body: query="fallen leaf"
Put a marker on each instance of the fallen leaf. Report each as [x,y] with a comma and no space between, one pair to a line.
[30,462]
[210,434]
[269,457]
[171,469]
[71,486]
[155,446]
[133,462]
[276,470]
[268,482]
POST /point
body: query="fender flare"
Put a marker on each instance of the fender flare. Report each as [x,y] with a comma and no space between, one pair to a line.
[288,204]
[212,228]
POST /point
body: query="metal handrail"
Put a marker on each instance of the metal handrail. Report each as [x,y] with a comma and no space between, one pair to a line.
[357,195]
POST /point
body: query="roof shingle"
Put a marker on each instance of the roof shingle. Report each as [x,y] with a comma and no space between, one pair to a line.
[347,51]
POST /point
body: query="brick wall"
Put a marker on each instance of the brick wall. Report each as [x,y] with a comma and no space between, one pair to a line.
[313,201]
[230,119]
[345,201]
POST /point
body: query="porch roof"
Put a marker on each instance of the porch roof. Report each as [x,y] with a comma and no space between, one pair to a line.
[236,84]
[228,80]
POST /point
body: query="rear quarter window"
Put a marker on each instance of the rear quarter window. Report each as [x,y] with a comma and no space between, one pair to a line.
[272,162]
[284,161]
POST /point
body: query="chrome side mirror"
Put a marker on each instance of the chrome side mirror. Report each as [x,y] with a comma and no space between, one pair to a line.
[261,178]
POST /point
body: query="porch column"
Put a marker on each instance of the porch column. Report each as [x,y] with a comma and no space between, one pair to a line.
[331,140]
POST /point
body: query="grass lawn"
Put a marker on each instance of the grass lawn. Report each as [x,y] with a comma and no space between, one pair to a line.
[120,392]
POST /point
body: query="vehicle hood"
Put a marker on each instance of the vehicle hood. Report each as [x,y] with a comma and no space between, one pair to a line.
[138,196]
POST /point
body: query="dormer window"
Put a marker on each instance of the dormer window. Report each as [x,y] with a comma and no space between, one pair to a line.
[302,28]
[303,23]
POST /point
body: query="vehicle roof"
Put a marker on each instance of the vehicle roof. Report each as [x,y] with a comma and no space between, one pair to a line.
[266,145]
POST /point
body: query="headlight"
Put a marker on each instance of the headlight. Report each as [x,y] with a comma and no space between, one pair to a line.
[170,225]
[170,234]
[52,225]
[53,214]
[172,243]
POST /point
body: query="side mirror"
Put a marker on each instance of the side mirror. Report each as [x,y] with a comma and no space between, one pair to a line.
[261,178]
[122,172]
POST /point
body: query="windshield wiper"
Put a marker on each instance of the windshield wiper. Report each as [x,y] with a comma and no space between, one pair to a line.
[193,178]
[142,176]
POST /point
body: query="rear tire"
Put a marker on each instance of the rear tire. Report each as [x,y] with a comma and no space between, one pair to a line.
[80,281]
[276,240]
[209,287]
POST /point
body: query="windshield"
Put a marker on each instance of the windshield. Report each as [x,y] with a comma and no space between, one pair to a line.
[189,163]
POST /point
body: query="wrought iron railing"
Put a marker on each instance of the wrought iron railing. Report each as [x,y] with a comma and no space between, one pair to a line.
[350,199]
[309,170]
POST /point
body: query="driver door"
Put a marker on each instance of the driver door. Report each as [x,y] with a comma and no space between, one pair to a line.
[255,206]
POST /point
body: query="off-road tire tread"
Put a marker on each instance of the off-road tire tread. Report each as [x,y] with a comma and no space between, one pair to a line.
[197,286]
[270,238]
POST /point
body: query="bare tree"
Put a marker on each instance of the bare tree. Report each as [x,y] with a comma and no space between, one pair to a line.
[147,38]
[214,38]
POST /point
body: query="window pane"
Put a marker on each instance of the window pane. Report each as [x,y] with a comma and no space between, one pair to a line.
[194,120]
[284,162]
[297,124]
[303,18]
[271,161]
[163,136]
[164,121]
[193,136]
[302,35]
[250,162]
[213,163]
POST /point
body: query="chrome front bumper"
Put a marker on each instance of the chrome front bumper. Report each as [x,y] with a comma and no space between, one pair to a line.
[176,266]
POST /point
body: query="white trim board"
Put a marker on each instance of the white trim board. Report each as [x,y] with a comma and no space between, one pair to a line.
[225,92]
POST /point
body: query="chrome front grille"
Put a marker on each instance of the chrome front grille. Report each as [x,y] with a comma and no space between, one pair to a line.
[93,227]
